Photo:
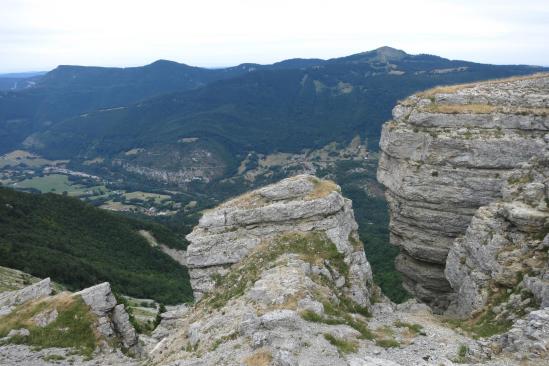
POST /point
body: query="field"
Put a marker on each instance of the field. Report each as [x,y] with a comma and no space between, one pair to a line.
[19,157]
[49,183]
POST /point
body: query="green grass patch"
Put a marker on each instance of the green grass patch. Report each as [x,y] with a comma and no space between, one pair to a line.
[387,343]
[73,327]
[485,324]
[342,345]
[416,328]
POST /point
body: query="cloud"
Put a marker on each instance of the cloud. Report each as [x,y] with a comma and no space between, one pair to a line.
[40,34]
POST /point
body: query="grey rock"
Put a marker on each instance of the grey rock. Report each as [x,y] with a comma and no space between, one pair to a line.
[22,332]
[99,298]
[10,299]
[500,245]
[124,328]
[45,317]
[440,165]
[228,233]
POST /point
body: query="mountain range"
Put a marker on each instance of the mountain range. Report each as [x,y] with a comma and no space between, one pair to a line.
[84,112]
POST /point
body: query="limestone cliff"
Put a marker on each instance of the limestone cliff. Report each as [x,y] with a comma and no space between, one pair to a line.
[504,250]
[301,204]
[447,152]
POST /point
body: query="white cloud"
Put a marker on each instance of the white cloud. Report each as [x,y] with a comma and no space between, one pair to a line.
[40,34]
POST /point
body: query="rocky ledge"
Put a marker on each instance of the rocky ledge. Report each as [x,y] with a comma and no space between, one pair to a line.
[447,152]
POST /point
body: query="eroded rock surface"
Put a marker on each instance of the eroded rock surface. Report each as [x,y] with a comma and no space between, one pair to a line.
[448,152]
[10,299]
[505,246]
[113,320]
[227,234]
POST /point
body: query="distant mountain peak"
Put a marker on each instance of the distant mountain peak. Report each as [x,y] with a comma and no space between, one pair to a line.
[390,52]
[381,54]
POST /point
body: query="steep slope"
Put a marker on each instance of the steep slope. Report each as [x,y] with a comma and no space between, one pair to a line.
[79,245]
[447,152]
[264,265]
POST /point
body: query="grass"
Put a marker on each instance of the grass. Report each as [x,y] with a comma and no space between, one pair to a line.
[483,109]
[343,346]
[49,183]
[450,89]
[73,327]
[484,324]
[460,108]
[260,358]
[322,188]
[12,279]
[54,358]
[415,328]
[222,340]
[462,354]
[387,343]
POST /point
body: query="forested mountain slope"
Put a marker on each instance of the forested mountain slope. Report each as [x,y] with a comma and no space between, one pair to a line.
[79,245]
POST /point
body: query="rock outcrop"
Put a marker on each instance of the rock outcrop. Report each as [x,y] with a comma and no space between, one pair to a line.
[447,152]
[273,293]
[505,247]
[301,204]
[281,276]
[10,299]
[112,319]
[91,313]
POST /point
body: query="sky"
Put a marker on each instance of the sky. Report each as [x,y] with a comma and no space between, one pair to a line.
[41,34]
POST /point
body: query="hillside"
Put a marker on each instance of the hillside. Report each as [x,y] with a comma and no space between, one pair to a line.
[271,108]
[79,245]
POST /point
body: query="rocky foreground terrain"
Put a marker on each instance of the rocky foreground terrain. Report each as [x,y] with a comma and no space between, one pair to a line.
[447,152]
[281,278]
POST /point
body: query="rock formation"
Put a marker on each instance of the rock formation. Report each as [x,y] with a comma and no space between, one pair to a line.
[301,204]
[112,319]
[447,152]
[505,247]
[10,299]
[39,308]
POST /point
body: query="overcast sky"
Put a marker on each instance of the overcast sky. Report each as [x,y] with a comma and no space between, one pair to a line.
[41,34]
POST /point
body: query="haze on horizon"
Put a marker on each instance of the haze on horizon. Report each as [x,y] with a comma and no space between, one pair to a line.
[41,34]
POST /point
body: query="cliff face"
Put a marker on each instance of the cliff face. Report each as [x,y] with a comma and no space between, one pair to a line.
[505,248]
[301,204]
[447,152]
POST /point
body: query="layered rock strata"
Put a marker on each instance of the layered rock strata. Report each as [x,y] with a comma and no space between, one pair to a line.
[301,204]
[447,152]
[505,247]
